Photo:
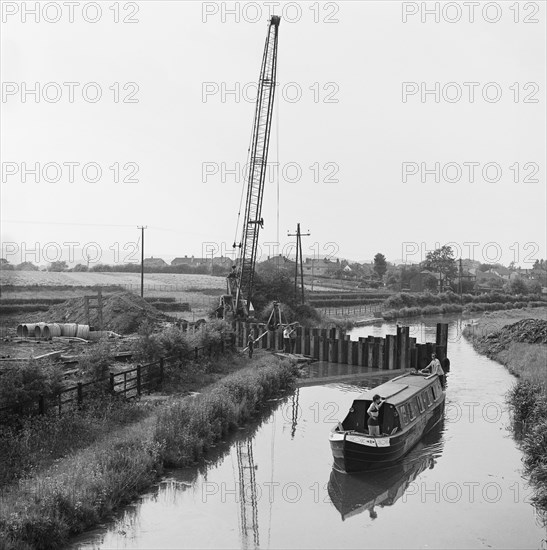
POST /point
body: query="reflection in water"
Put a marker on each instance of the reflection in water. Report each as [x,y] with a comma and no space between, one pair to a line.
[294,412]
[248,502]
[352,494]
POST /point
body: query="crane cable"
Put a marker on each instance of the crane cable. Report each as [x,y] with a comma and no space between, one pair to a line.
[277,171]
[243,185]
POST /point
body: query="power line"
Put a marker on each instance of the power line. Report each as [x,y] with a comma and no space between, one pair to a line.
[34,222]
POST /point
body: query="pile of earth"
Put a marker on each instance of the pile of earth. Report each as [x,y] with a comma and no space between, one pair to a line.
[530,331]
[123,312]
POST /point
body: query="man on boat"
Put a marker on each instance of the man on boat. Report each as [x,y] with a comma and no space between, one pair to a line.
[373,413]
[435,368]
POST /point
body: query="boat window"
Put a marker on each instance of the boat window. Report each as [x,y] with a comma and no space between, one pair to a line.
[427,398]
[403,416]
[433,393]
[411,410]
[408,412]
[421,405]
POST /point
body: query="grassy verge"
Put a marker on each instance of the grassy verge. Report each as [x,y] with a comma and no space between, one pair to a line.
[61,497]
[478,307]
[528,396]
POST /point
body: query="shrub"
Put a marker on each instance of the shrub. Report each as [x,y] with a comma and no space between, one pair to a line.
[25,381]
[431,310]
[188,428]
[390,314]
[410,311]
[307,315]
[394,302]
[527,401]
[147,347]
[95,363]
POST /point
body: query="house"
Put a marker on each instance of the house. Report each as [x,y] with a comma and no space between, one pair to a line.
[424,280]
[223,261]
[190,261]
[502,272]
[318,268]
[488,279]
[155,263]
[280,260]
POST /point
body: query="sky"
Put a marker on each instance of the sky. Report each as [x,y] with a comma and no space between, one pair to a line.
[398,127]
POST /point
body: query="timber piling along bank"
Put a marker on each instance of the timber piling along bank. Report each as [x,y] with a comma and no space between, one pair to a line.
[394,352]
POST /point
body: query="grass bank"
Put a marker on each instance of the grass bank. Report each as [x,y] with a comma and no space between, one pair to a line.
[60,497]
[475,307]
[507,338]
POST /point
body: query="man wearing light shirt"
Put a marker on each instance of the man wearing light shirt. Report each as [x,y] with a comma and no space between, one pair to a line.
[435,368]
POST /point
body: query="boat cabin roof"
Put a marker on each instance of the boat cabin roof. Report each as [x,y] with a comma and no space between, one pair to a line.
[399,389]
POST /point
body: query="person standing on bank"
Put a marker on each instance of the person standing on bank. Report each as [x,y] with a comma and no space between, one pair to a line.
[435,368]
[287,338]
[373,414]
[251,344]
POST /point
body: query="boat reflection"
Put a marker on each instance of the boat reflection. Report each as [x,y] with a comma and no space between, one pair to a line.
[352,494]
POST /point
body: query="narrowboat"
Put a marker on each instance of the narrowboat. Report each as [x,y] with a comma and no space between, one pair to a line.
[414,403]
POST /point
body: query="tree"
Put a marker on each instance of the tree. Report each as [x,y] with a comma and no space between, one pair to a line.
[58,266]
[517,286]
[273,286]
[380,265]
[26,266]
[5,265]
[407,274]
[534,287]
[429,282]
[79,267]
[441,261]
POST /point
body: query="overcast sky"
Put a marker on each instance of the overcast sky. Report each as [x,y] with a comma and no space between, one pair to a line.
[350,121]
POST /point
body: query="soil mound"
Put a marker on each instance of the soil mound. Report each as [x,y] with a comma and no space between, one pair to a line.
[530,331]
[123,312]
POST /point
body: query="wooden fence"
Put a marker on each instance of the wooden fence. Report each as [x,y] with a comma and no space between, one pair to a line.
[128,383]
[351,310]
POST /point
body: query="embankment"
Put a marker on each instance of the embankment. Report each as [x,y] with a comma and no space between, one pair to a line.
[519,342]
[78,490]
[403,304]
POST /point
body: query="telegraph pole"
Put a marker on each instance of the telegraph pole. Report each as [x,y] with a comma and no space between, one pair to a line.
[142,228]
[298,236]
[461,275]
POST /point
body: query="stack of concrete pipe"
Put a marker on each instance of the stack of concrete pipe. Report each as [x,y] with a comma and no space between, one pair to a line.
[49,330]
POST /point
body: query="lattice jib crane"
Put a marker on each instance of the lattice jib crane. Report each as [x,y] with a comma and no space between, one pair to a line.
[240,281]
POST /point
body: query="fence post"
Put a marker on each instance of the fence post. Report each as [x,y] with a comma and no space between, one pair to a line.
[138,379]
[222,345]
[196,353]
[161,370]
[80,394]
[112,383]
[210,349]
[41,405]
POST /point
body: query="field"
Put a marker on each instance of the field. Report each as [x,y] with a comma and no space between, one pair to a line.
[200,291]
[48,278]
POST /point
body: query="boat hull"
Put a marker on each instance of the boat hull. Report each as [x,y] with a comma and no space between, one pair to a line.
[358,452]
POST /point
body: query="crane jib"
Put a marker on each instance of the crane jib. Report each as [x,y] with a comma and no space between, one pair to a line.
[242,287]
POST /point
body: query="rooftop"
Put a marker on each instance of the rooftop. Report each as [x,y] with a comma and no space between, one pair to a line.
[399,389]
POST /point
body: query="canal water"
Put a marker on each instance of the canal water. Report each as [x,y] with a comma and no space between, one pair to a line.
[272,485]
